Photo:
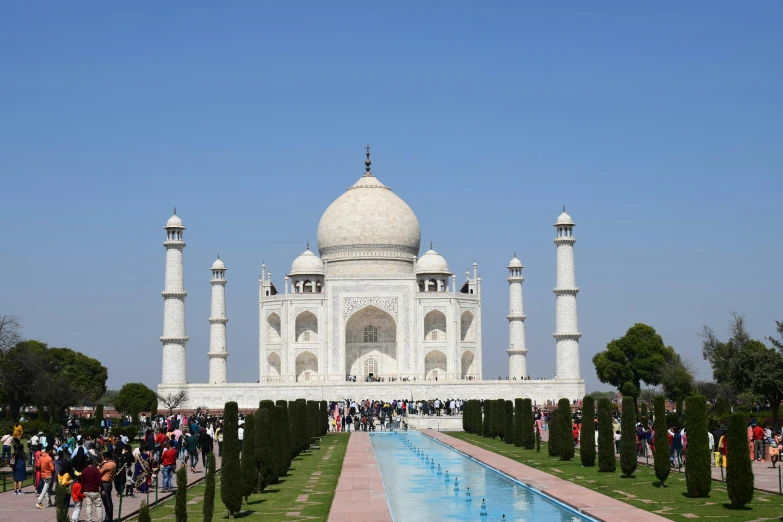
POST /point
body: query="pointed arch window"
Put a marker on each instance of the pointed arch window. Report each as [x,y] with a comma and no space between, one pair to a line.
[370,334]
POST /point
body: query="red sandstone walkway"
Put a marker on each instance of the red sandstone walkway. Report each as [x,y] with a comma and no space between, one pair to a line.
[16,508]
[580,498]
[360,495]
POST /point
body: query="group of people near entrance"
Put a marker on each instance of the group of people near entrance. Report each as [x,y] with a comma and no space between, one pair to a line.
[369,415]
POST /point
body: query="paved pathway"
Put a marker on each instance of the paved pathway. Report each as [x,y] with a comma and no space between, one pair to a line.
[585,500]
[360,495]
[766,478]
[15,508]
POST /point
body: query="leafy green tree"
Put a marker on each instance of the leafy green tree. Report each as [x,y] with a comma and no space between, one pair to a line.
[135,395]
[587,437]
[709,389]
[528,433]
[555,439]
[739,471]
[508,426]
[98,415]
[231,473]
[249,469]
[518,423]
[487,421]
[499,417]
[606,460]
[285,431]
[661,453]
[264,464]
[760,370]
[85,373]
[566,444]
[721,354]
[20,368]
[628,438]
[144,513]
[181,505]
[698,475]
[208,508]
[639,355]
[678,381]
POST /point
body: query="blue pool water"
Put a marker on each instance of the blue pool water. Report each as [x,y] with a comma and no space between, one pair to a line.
[417,493]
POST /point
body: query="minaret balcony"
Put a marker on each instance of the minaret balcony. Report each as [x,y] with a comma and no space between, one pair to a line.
[174,243]
[515,351]
[218,355]
[516,317]
[174,339]
[574,336]
[565,240]
[218,320]
[573,290]
[174,294]
[218,281]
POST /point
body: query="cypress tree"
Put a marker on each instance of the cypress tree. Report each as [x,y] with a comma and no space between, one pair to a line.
[231,474]
[266,470]
[280,442]
[181,506]
[518,422]
[134,413]
[61,495]
[628,437]
[487,421]
[293,421]
[98,415]
[661,454]
[323,411]
[698,475]
[209,490]
[566,446]
[249,469]
[606,460]
[739,470]
[554,434]
[587,442]
[312,421]
[528,431]
[285,440]
[465,421]
[144,513]
[508,426]
[304,442]
[499,416]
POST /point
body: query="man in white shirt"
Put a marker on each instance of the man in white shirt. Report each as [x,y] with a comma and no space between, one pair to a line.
[240,436]
[7,441]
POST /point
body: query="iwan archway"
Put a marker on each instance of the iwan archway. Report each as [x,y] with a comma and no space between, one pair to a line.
[371,344]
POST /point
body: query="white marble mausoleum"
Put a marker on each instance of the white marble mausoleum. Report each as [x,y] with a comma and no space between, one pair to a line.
[367,317]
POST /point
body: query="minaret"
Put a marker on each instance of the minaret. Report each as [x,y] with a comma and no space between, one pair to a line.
[566,326]
[217,325]
[174,338]
[517,352]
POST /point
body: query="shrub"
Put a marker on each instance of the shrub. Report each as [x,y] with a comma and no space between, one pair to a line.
[628,437]
[98,415]
[661,453]
[323,412]
[285,428]
[606,460]
[270,451]
[466,418]
[739,471]
[587,442]
[698,475]
[566,444]
[144,513]
[554,434]
[478,415]
[499,417]
[486,421]
[312,421]
[249,470]
[293,422]
[528,431]
[231,474]
[209,490]
[508,426]
[181,506]
[519,413]
[266,471]
[280,441]
[61,503]
[304,442]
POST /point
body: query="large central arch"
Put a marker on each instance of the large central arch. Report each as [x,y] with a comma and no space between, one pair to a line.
[371,333]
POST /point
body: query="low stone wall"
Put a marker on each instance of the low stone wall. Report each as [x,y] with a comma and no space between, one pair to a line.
[247,395]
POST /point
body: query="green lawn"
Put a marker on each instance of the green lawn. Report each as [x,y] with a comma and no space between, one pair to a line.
[278,500]
[641,491]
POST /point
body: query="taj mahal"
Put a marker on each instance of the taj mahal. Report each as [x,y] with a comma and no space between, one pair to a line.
[367,317]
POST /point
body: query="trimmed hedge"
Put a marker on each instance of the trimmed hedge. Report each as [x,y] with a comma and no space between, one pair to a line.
[323,412]
[606,460]
[249,469]
[519,413]
[478,415]
[698,475]
[231,473]
[528,425]
[208,508]
[285,439]
[499,417]
[739,470]
[661,454]
[486,422]
[508,426]
[566,443]
[181,503]
[554,435]
[264,465]
[628,437]
[587,437]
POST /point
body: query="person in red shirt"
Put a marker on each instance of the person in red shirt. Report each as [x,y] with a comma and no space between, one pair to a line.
[78,498]
[168,462]
[758,442]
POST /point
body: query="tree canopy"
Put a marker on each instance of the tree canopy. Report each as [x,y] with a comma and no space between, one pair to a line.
[760,370]
[677,379]
[640,355]
[135,396]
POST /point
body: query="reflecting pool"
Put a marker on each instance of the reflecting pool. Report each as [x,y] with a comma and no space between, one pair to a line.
[414,471]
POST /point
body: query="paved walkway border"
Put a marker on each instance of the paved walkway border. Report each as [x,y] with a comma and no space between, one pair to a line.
[579,498]
[360,495]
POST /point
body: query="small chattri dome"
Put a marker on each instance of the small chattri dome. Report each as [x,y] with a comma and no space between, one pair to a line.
[218,264]
[307,263]
[174,221]
[515,263]
[564,219]
[432,263]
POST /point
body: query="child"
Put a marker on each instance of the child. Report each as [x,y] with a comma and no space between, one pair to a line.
[78,498]
[129,484]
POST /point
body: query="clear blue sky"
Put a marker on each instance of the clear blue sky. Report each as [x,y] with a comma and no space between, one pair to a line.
[659,126]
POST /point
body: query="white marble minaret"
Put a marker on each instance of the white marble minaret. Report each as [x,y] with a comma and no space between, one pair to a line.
[566,325]
[174,338]
[217,325]
[517,351]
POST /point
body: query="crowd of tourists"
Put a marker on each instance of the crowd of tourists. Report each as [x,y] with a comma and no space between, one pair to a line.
[94,470]
[371,415]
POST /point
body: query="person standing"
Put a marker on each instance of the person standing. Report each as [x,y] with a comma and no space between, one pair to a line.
[193,451]
[7,440]
[108,471]
[46,465]
[78,498]
[758,442]
[168,464]
[219,438]
[19,465]
[91,488]
[205,442]
[241,437]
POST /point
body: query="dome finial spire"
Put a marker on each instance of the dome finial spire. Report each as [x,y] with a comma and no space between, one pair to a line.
[430,244]
[564,208]
[308,244]
[175,211]
[367,162]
